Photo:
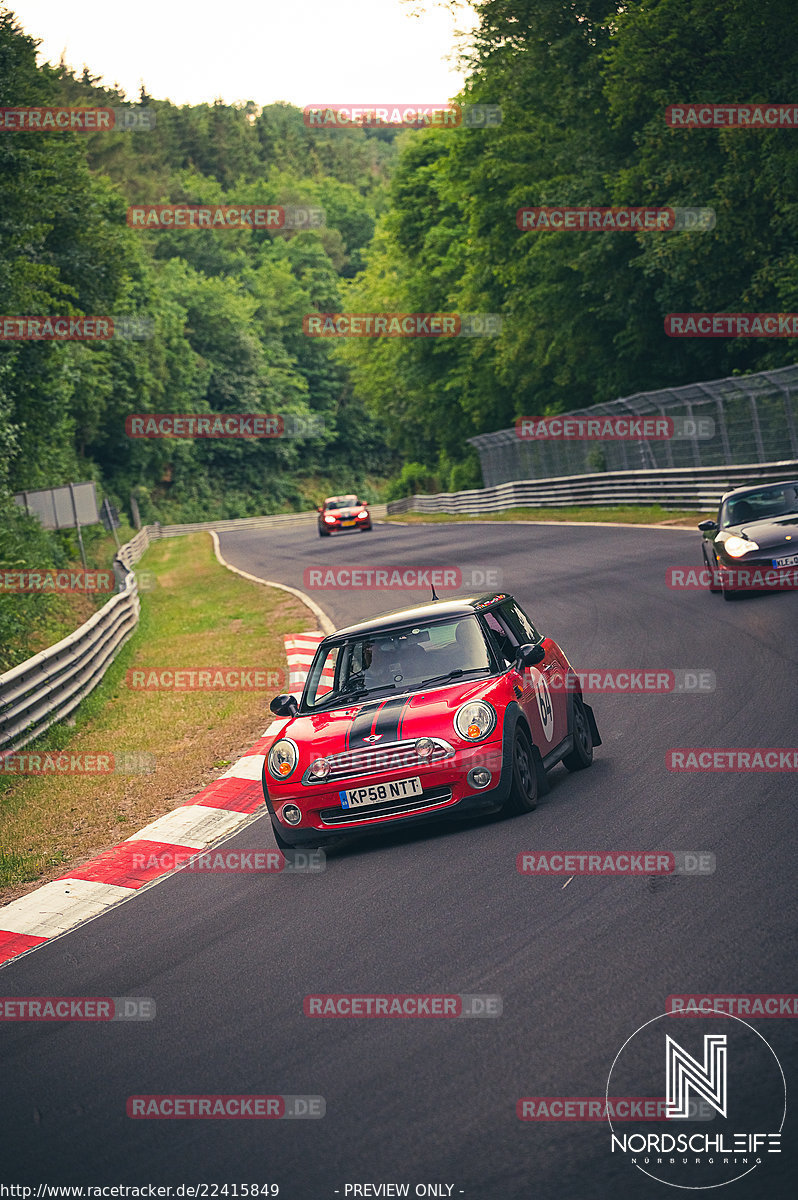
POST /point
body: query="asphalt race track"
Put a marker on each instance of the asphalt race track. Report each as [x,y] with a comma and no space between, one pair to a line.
[229,958]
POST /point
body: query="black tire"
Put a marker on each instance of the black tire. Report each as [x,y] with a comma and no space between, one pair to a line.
[714,588]
[582,754]
[730,594]
[523,797]
[324,533]
[288,848]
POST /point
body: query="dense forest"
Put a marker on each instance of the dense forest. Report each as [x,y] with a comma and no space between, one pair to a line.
[416,221]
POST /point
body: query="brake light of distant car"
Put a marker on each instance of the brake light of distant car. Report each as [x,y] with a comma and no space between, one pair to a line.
[283,758]
[329,519]
[737,546]
[320,768]
[474,720]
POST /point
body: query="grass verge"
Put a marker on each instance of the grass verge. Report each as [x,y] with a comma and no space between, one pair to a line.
[199,615]
[628,514]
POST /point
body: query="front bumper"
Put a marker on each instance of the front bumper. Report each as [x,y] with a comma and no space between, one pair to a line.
[446,794]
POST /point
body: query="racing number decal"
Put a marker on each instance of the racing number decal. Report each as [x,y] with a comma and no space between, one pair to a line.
[545,707]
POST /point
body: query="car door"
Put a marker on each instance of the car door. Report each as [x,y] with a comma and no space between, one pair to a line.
[543,686]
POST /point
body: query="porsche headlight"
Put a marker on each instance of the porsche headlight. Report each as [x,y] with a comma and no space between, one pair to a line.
[737,546]
[283,757]
[474,720]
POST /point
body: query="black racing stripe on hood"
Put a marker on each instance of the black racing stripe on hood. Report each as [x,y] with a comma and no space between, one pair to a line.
[383,718]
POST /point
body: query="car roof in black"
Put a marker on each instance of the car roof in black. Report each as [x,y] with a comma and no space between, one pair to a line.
[432,609]
[749,488]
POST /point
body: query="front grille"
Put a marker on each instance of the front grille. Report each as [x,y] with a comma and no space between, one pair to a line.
[395,756]
[372,812]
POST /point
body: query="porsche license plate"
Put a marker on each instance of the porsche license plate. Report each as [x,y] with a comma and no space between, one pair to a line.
[377,793]
[790,561]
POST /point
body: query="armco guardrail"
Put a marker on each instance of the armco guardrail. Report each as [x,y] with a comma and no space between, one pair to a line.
[699,488]
[46,688]
[49,686]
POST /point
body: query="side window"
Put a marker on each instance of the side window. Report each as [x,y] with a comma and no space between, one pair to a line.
[522,628]
[501,637]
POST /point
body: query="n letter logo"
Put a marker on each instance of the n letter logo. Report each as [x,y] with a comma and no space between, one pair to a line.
[683,1073]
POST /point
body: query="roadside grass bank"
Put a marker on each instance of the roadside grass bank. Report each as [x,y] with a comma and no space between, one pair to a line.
[199,615]
[628,514]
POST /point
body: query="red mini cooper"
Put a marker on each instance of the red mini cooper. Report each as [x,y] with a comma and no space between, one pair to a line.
[450,709]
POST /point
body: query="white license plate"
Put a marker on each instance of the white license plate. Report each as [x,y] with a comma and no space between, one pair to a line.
[790,561]
[377,793]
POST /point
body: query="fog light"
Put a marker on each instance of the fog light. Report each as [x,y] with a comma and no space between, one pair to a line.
[479,777]
[291,814]
[320,769]
[424,747]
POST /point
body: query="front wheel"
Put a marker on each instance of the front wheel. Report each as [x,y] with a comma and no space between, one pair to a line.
[582,754]
[523,797]
[713,587]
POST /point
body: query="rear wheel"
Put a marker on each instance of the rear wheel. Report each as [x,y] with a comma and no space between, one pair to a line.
[582,754]
[523,796]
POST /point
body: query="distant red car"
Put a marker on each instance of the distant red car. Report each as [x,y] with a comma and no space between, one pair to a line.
[453,708]
[343,512]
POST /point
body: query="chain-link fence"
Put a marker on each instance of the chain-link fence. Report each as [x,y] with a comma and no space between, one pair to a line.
[743,419]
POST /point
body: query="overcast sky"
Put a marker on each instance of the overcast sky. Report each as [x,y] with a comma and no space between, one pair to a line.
[302,51]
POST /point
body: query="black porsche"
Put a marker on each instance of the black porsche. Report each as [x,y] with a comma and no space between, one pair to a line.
[753,544]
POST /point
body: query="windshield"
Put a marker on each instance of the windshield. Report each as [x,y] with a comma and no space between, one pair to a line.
[341,502]
[396,660]
[759,506]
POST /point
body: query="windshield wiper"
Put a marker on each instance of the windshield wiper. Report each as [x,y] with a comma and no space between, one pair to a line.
[358,695]
[451,675]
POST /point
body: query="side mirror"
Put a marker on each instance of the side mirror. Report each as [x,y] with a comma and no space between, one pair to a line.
[284,706]
[529,655]
[708,526]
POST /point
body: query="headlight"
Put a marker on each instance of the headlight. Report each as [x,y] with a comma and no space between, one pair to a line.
[329,520]
[737,546]
[320,768]
[362,516]
[283,757]
[474,720]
